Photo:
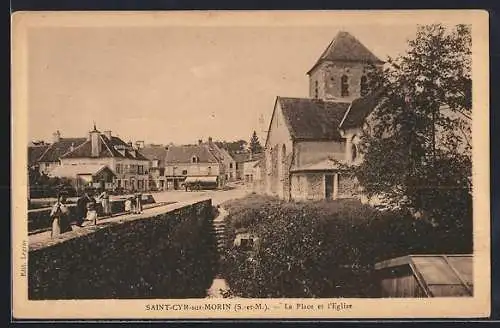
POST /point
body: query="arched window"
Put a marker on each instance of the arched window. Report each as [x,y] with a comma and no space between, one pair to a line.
[363,86]
[195,159]
[344,85]
[316,89]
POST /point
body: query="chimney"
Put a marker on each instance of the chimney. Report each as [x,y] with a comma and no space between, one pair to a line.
[107,134]
[139,144]
[209,140]
[200,141]
[56,136]
[95,141]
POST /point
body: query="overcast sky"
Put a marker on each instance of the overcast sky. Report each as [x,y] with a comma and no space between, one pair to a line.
[177,84]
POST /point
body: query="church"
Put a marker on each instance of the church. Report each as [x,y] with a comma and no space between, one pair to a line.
[309,139]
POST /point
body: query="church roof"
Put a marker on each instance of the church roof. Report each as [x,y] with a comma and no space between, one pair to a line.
[345,47]
[360,108]
[313,119]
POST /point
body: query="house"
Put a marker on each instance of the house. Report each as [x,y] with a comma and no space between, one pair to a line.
[249,167]
[198,162]
[156,155]
[310,140]
[239,159]
[47,157]
[229,164]
[82,176]
[128,164]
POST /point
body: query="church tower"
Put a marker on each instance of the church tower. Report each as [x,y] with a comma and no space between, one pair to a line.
[340,73]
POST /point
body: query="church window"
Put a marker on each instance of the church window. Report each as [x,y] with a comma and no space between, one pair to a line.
[344,84]
[316,91]
[364,86]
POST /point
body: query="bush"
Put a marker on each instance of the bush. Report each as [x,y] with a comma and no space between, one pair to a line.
[321,249]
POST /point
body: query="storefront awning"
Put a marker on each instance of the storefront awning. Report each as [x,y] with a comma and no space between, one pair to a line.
[201,179]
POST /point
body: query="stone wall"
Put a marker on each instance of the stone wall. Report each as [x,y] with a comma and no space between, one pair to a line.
[169,255]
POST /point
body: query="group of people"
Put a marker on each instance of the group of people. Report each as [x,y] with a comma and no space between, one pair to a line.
[86,209]
[134,204]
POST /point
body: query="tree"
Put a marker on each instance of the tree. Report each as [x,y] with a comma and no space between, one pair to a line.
[417,143]
[255,146]
[232,146]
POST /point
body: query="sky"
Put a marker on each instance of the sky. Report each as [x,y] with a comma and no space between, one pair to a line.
[163,84]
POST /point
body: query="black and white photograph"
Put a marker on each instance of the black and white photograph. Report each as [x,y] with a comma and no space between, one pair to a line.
[251,164]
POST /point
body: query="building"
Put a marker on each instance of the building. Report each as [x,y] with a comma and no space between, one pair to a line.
[127,163]
[156,155]
[83,176]
[47,157]
[249,167]
[239,160]
[193,161]
[310,139]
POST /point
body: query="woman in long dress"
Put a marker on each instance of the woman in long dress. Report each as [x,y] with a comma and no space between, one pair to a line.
[60,217]
[91,212]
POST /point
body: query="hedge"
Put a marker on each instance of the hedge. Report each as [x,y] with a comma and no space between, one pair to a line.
[169,256]
[326,248]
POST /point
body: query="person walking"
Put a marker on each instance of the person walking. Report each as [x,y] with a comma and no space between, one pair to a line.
[60,216]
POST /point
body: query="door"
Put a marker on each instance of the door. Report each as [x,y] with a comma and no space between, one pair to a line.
[329,186]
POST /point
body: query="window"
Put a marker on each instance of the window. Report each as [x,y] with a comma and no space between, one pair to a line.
[236,165]
[209,170]
[184,172]
[344,85]
[316,89]
[230,165]
[118,168]
[195,159]
[363,86]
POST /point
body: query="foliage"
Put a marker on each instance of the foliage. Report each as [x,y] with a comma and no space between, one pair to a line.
[41,185]
[325,248]
[232,146]
[417,143]
[255,146]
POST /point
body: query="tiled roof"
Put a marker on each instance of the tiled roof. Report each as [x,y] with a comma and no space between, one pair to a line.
[34,153]
[226,154]
[360,109]
[241,157]
[108,149]
[184,154]
[57,149]
[155,152]
[345,47]
[313,119]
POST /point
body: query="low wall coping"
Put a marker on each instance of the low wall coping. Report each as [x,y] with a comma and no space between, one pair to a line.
[37,243]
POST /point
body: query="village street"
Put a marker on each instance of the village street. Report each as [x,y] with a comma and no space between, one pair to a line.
[217,196]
